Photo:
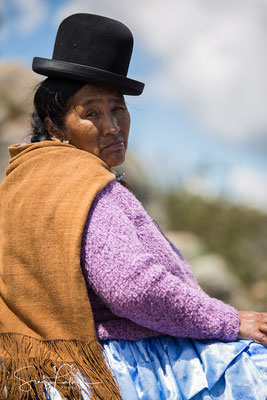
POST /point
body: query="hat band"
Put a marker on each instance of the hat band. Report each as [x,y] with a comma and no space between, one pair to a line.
[86,73]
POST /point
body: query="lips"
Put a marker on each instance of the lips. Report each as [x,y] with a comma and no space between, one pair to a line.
[114,144]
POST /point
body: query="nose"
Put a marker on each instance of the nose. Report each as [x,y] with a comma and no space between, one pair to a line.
[110,125]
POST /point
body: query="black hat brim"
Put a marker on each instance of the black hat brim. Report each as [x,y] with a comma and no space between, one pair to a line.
[63,69]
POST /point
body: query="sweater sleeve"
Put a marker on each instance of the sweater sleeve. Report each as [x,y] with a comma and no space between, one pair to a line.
[135,286]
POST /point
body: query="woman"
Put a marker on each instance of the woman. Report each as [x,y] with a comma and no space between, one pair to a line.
[162,336]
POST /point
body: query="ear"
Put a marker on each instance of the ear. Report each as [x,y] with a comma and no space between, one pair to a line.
[54,133]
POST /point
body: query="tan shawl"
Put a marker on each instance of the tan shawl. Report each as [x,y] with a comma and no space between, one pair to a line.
[46,319]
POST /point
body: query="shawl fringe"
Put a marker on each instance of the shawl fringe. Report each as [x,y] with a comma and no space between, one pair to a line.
[72,367]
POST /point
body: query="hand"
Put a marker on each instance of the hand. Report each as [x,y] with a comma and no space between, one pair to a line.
[253,325]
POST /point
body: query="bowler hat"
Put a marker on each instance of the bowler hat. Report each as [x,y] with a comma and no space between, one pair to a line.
[92,48]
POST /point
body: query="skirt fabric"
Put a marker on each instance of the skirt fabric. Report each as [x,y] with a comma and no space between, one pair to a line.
[171,368]
[167,367]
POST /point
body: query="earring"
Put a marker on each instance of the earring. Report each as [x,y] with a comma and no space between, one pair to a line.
[65,141]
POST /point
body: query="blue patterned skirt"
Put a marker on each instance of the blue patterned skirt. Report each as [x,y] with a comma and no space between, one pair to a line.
[171,368]
[167,367]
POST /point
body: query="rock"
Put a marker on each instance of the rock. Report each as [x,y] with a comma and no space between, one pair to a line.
[16,95]
[16,90]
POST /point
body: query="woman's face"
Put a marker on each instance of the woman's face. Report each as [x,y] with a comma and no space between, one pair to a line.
[98,121]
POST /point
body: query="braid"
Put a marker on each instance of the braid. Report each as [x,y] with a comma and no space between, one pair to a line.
[39,132]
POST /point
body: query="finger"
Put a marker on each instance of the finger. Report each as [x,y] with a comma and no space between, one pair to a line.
[263,328]
[263,317]
[260,338]
[249,314]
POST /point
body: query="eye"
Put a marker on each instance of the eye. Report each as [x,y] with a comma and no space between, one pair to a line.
[91,114]
[118,108]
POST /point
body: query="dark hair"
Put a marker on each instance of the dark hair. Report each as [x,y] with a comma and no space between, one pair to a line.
[51,100]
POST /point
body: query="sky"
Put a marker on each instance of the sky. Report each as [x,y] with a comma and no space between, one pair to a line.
[201,121]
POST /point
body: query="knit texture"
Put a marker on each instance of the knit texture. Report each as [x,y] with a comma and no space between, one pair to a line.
[138,283]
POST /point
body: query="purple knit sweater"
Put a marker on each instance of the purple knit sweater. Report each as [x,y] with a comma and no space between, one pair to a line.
[138,283]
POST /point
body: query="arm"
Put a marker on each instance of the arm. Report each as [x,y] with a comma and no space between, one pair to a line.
[134,286]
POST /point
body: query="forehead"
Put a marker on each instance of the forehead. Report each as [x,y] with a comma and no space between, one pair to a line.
[95,92]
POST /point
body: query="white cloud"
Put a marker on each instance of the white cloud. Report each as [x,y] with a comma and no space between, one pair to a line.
[29,15]
[115,9]
[32,13]
[241,185]
[248,186]
[211,54]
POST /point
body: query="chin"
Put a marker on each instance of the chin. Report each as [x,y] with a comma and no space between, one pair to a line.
[115,162]
[115,159]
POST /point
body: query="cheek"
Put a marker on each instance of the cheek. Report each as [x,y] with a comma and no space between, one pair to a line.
[73,126]
[125,124]
[83,132]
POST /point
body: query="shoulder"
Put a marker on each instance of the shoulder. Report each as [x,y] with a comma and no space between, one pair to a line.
[108,220]
[113,207]
[117,198]
[110,204]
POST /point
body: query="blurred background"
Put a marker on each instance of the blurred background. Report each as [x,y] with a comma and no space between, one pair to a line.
[197,155]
